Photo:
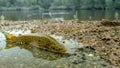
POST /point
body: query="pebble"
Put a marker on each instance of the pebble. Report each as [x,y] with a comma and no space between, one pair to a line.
[91,55]
[94,30]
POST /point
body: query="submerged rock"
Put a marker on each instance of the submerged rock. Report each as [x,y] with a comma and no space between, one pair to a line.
[110,23]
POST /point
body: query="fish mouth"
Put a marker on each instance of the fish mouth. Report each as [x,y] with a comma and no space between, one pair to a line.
[62,51]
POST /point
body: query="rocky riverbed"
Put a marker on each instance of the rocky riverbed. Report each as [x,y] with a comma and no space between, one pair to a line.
[101,42]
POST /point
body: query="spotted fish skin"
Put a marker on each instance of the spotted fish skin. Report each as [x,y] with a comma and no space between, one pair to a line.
[39,41]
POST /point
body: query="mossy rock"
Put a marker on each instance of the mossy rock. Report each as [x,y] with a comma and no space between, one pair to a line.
[110,23]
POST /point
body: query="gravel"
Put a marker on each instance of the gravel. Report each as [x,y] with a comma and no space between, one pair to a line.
[101,44]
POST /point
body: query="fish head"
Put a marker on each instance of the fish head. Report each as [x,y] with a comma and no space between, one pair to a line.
[59,48]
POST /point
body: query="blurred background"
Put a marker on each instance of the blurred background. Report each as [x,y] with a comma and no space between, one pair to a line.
[66,9]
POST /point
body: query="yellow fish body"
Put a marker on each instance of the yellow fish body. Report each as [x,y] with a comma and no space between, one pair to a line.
[39,41]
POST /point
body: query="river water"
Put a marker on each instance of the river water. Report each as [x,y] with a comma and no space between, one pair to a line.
[65,14]
[38,58]
[17,51]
